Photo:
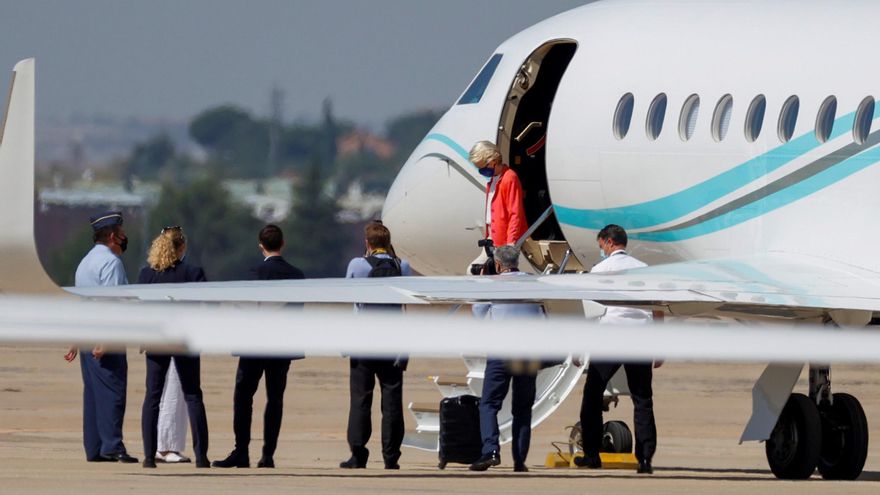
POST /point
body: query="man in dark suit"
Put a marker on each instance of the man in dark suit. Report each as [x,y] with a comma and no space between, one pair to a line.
[250,369]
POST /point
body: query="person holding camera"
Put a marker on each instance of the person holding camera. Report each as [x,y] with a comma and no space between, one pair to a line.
[379,261]
[505,212]
[500,373]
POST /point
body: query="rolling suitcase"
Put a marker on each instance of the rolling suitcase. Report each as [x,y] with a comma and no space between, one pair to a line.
[460,438]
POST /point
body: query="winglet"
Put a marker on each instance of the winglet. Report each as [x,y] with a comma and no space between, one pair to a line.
[20,267]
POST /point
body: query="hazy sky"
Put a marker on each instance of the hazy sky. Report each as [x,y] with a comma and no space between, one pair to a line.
[173,58]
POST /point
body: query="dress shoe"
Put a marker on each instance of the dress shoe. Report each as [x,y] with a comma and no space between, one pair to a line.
[101,458]
[645,467]
[353,463]
[149,462]
[234,459]
[486,461]
[520,468]
[393,465]
[204,463]
[120,457]
[172,458]
[266,462]
[588,462]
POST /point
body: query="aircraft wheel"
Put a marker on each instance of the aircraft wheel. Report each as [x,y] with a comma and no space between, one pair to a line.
[796,441]
[844,439]
[617,438]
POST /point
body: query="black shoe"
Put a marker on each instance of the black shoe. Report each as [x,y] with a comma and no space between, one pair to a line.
[149,462]
[353,463]
[392,465]
[645,467]
[520,468]
[588,462]
[205,463]
[486,461]
[120,457]
[234,459]
[101,458]
[266,462]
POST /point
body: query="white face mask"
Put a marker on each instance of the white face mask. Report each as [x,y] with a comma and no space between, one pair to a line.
[602,253]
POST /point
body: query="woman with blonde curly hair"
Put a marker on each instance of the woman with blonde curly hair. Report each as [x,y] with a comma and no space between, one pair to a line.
[167,265]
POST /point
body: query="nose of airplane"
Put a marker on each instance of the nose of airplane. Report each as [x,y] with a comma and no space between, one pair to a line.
[435,213]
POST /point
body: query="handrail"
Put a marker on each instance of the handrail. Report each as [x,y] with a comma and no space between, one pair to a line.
[534,227]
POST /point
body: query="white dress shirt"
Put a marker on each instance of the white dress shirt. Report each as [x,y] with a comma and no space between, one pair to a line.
[616,261]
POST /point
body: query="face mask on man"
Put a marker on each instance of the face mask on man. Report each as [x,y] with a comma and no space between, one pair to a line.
[123,244]
[602,253]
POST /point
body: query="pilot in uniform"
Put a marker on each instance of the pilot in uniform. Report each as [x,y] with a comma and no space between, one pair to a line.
[105,374]
[612,244]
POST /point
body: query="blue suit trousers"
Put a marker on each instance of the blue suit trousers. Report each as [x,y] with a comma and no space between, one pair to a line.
[496,382]
[105,382]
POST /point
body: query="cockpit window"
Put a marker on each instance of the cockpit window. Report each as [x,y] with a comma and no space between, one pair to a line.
[475,91]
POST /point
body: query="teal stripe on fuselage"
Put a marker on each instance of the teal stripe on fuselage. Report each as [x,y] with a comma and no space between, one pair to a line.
[685,202]
[776,200]
[448,141]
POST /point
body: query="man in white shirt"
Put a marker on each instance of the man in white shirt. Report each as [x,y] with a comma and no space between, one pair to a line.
[105,374]
[612,246]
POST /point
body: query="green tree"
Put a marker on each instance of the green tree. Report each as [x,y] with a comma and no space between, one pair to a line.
[315,239]
[407,131]
[234,139]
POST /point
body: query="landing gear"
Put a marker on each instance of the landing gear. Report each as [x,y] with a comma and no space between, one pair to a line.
[832,436]
[844,438]
[616,438]
[795,444]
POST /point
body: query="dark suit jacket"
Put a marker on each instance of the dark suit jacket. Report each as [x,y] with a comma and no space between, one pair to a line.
[275,268]
[178,273]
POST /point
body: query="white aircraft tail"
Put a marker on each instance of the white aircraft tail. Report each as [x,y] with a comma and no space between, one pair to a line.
[20,267]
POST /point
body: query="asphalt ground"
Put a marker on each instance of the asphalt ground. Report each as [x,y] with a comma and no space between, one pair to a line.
[700,409]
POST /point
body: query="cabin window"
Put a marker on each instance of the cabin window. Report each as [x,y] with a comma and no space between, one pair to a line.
[788,118]
[862,122]
[623,115]
[755,118]
[475,91]
[656,115]
[687,122]
[825,119]
[721,118]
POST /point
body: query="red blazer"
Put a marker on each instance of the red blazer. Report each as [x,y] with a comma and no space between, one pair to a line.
[508,213]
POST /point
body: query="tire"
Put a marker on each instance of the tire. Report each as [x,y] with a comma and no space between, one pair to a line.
[796,441]
[617,438]
[844,439]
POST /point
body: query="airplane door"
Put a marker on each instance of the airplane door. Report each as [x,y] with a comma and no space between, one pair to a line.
[522,138]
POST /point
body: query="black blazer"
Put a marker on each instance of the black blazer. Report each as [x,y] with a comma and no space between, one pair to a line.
[177,273]
[276,268]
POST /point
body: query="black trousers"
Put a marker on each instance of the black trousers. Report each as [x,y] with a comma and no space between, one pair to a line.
[362,380]
[247,379]
[189,371]
[638,377]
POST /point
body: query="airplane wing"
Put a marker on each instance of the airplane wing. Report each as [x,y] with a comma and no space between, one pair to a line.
[773,286]
[271,332]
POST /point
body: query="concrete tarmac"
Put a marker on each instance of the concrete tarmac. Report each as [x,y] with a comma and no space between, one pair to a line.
[700,409]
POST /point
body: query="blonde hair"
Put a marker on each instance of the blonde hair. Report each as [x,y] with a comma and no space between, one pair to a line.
[164,249]
[483,152]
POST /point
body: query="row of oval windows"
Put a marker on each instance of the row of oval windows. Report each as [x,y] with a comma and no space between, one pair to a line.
[788,115]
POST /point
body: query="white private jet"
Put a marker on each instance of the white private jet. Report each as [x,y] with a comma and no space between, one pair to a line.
[741,168]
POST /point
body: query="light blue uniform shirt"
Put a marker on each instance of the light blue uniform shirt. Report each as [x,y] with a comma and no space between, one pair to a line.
[360,268]
[100,267]
[502,311]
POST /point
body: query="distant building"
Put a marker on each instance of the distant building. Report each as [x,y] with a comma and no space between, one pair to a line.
[359,141]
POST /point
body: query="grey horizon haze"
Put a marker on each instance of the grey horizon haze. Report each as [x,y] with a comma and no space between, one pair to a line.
[172,59]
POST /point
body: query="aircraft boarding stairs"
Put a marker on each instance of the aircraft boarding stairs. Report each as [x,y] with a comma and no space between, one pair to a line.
[552,387]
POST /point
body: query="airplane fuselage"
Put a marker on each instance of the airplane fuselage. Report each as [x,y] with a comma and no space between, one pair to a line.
[776,157]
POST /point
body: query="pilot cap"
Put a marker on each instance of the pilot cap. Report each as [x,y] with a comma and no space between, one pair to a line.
[106,219]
